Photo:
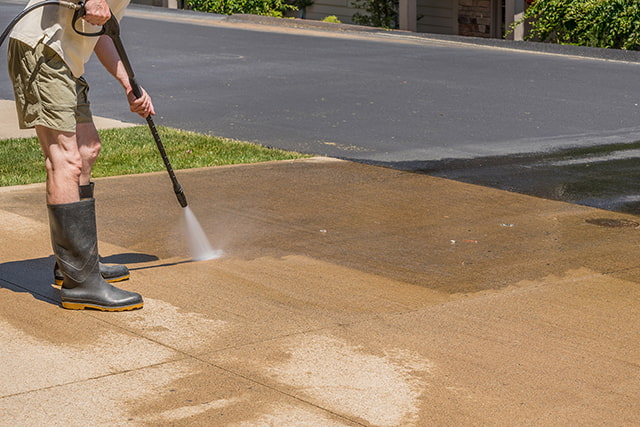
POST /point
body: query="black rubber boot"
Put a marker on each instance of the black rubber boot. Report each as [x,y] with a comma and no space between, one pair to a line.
[75,244]
[110,272]
[86,191]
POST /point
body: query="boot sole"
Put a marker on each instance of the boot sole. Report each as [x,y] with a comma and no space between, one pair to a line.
[84,305]
[59,282]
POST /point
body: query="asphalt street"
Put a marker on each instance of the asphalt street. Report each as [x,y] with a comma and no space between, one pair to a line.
[413,102]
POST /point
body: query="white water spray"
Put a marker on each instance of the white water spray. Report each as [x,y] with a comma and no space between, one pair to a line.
[199,245]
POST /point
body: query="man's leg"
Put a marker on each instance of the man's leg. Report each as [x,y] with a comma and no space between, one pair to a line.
[47,99]
[88,145]
[63,164]
[75,243]
[73,229]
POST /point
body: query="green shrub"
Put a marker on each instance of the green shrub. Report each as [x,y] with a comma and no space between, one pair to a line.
[332,18]
[379,13]
[254,7]
[596,23]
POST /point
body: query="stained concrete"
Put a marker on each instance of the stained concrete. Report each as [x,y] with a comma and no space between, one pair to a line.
[347,295]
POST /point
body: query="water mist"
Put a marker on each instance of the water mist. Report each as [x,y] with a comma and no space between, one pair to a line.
[199,245]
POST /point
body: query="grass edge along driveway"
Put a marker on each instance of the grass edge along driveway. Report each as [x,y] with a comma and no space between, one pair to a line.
[132,150]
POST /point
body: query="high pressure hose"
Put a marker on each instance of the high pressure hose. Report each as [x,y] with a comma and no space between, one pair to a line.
[31,8]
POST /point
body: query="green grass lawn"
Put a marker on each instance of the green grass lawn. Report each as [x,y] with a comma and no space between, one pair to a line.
[133,150]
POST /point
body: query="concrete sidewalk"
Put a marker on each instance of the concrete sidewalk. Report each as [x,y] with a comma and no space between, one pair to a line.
[347,295]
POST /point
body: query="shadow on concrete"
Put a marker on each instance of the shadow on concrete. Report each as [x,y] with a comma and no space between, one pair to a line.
[35,276]
[136,258]
[128,258]
[167,264]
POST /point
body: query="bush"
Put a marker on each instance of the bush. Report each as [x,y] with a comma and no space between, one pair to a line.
[331,18]
[229,7]
[380,13]
[596,23]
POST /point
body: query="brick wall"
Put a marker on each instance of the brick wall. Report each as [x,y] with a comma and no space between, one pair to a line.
[474,18]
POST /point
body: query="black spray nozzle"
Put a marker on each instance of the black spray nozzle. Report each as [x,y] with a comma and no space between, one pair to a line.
[182,199]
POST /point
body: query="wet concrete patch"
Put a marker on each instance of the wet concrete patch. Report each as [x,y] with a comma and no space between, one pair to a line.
[613,222]
[525,353]
[347,304]
[604,176]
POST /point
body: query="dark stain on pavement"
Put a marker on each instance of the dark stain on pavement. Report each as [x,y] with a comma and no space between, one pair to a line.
[605,176]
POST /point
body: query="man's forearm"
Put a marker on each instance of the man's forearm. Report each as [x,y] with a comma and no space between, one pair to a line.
[108,56]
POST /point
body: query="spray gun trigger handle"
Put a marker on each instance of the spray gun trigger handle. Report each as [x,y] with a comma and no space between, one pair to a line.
[111,27]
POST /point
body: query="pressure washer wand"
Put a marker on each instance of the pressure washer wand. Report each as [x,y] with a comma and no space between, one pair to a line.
[112,29]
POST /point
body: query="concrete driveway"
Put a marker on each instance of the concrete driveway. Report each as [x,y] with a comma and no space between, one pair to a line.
[347,295]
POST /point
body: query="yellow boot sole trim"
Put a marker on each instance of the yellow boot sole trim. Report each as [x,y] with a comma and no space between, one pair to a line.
[83,306]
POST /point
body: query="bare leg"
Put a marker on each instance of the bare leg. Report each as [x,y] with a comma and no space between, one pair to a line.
[89,148]
[69,159]
[63,164]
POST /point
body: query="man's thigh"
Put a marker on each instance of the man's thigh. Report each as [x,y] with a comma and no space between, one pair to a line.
[46,92]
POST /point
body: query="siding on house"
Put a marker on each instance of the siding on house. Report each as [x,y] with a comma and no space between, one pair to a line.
[342,9]
[460,17]
[438,16]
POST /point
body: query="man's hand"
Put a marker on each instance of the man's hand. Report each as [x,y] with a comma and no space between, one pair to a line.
[97,12]
[142,106]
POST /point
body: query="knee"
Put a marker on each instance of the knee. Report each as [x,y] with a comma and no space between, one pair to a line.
[90,150]
[60,150]
[69,164]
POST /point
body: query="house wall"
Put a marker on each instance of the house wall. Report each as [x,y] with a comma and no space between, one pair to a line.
[149,2]
[474,18]
[464,17]
[437,16]
[342,9]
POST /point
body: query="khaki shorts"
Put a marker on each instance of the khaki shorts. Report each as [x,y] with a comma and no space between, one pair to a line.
[46,92]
